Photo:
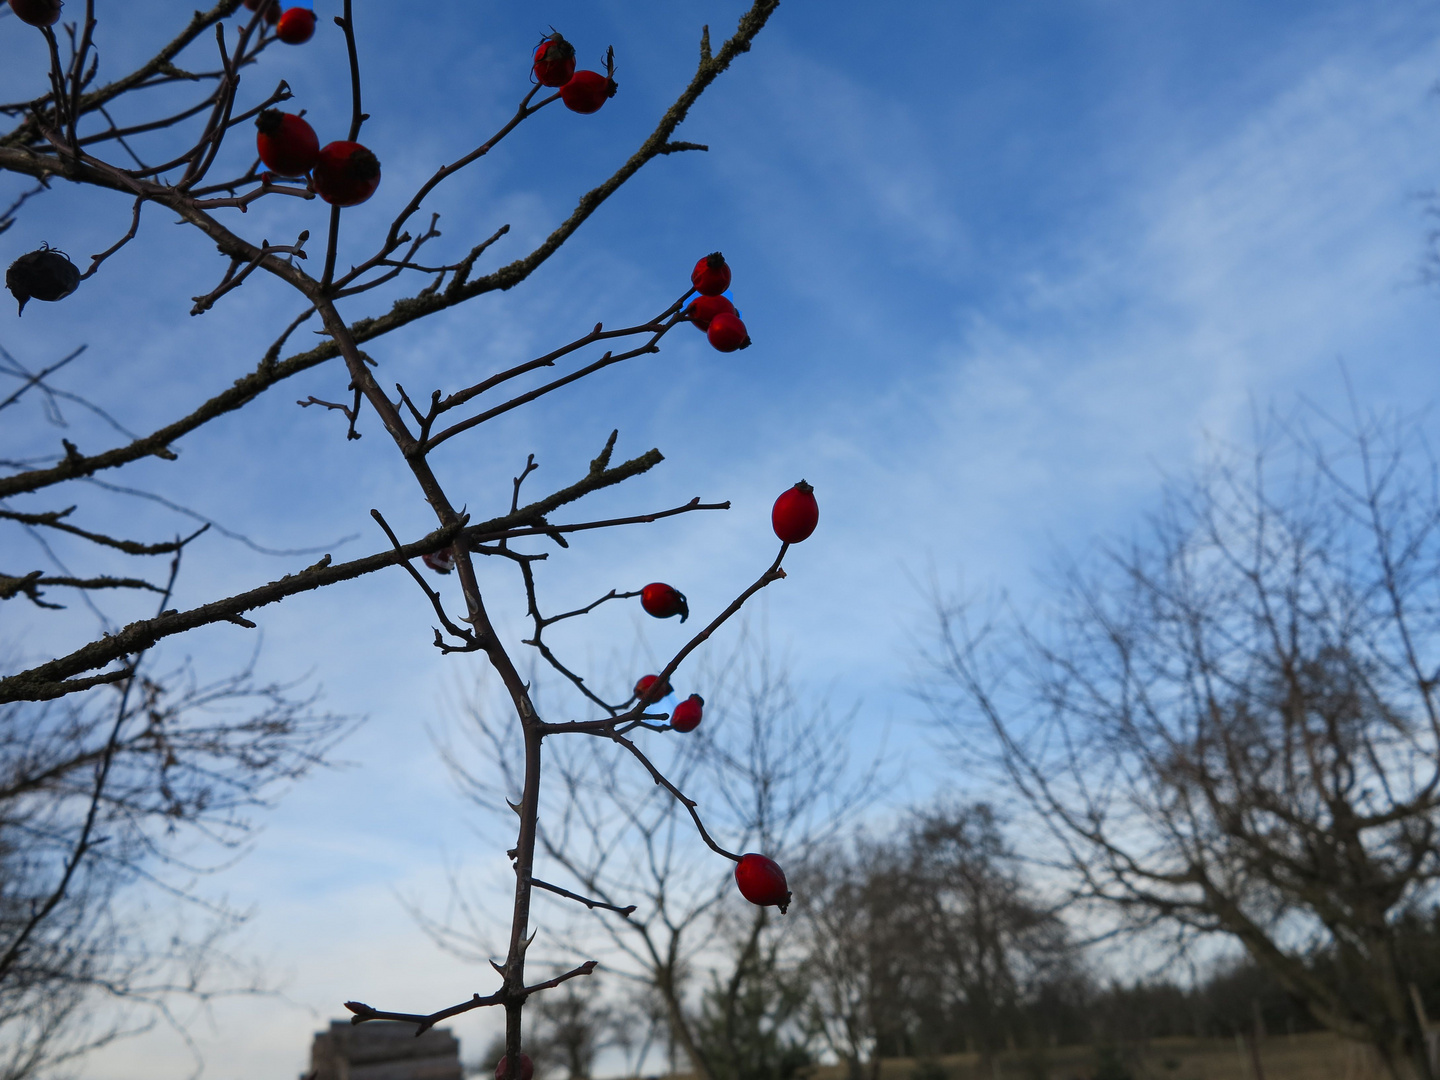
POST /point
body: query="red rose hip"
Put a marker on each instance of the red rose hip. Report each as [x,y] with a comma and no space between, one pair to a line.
[554,61]
[296,26]
[286,143]
[527,1068]
[795,513]
[645,682]
[727,333]
[586,91]
[37,12]
[762,882]
[346,174]
[687,714]
[272,9]
[442,562]
[704,308]
[711,275]
[663,601]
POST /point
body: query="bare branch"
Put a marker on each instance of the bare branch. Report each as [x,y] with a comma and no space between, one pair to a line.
[424,1022]
[589,902]
[96,260]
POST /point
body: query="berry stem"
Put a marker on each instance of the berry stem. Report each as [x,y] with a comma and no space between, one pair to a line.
[331,244]
[357,116]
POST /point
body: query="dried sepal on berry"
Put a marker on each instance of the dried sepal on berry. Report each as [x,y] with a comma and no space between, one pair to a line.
[554,61]
[711,275]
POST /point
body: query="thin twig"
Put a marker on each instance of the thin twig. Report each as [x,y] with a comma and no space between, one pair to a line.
[96,260]
[424,1022]
[589,902]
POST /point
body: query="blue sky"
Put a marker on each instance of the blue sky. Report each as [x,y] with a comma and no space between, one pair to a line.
[1005,268]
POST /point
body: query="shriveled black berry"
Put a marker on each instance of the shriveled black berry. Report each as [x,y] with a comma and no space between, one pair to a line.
[46,274]
[37,12]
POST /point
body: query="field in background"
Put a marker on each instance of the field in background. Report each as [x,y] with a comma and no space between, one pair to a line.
[1315,1056]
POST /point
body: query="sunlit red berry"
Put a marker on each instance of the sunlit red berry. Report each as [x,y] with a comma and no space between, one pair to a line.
[286,143]
[442,562]
[663,601]
[686,715]
[346,173]
[45,274]
[711,275]
[795,513]
[527,1068]
[645,682]
[727,333]
[37,12]
[296,26]
[704,308]
[587,91]
[762,882]
[554,61]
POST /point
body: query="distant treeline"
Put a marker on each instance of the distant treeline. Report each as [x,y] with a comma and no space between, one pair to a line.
[930,940]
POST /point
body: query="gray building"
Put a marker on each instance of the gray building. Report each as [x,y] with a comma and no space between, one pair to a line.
[383,1050]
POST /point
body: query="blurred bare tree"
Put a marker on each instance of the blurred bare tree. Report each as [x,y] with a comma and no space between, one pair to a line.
[773,771]
[572,1027]
[928,940]
[1230,726]
[98,795]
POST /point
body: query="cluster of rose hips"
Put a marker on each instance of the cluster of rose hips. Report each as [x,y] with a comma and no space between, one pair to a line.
[581,91]
[713,312]
[758,877]
[685,716]
[793,517]
[342,173]
[294,26]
